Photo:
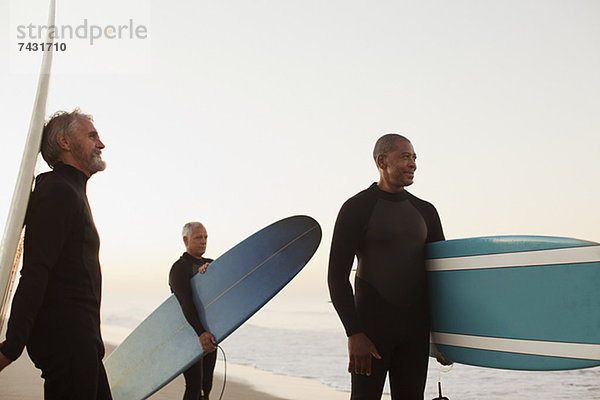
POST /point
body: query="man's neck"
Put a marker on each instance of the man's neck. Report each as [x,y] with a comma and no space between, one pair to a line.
[389,188]
[70,160]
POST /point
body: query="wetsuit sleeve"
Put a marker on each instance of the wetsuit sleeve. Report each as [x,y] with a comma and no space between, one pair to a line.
[347,236]
[179,280]
[435,233]
[50,216]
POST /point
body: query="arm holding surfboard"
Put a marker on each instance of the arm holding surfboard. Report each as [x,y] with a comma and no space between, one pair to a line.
[179,281]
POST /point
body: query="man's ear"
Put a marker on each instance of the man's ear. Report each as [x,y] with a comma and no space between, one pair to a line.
[381,164]
[185,241]
[62,141]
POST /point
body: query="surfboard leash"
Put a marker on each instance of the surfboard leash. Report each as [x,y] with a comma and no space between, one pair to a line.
[440,370]
[224,372]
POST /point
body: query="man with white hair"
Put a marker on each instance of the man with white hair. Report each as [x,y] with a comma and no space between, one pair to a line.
[56,308]
[198,378]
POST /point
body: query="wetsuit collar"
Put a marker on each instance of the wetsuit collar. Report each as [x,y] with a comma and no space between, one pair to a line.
[403,195]
[191,258]
[71,173]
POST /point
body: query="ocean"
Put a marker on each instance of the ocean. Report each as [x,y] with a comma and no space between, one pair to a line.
[305,339]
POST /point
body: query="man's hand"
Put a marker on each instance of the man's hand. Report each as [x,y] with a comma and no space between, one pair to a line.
[360,350]
[440,358]
[3,360]
[202,268]
[208,342]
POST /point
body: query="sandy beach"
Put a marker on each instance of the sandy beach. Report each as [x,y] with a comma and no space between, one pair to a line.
[22,381]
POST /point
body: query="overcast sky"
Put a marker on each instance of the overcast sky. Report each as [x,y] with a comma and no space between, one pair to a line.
[240,113]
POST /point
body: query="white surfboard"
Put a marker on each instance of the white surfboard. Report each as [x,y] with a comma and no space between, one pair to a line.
[9,247]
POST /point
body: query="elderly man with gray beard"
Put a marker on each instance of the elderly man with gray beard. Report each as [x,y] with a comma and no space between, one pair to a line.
[56,308]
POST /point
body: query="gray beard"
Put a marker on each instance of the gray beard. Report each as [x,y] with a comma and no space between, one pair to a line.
[96,165]
[92,165]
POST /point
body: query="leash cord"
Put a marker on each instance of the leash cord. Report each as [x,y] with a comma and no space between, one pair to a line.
[440,370]
[224,372]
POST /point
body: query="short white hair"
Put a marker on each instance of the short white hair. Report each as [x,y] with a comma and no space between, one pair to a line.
[189,227]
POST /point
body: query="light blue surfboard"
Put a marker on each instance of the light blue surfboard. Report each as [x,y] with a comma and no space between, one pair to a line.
[234,287]
[516,302]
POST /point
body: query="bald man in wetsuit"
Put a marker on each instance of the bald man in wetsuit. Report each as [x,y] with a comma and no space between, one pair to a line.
[386,317]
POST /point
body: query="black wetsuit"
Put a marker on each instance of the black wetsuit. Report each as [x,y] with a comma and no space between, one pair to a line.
[56,308]
[199,377]
[387,233]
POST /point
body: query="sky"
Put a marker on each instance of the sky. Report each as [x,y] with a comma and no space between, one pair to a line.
[240,113]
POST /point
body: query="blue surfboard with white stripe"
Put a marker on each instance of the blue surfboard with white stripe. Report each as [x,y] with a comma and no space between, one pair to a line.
[234,287]
[516,302]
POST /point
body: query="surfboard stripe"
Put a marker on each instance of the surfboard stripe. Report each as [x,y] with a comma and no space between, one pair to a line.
[572,255]
[583,351]
[260,265]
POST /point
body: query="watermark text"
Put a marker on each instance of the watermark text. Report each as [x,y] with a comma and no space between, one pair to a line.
[85,30]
